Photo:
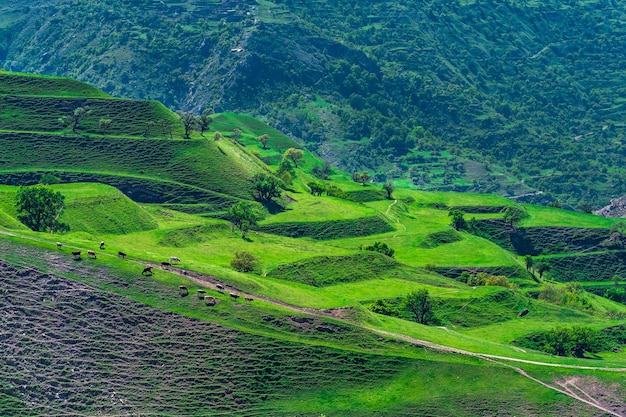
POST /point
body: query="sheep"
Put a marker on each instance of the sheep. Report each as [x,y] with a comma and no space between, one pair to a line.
[102,245]
[164,264]
[76,254]
[210,301]
[147,270]
[174,259]
[234,296]
[201,294]
[183,290]
[59,245]
[92,254]
[249,299]
[121,255]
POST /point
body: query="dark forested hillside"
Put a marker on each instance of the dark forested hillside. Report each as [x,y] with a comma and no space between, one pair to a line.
[504,96]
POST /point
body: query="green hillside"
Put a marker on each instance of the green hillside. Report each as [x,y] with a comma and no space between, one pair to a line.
[322,320]
[463,95]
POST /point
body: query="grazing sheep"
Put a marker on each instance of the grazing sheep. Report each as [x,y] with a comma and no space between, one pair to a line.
[102,245]
[76,254]
[233,295]
[59,245]
[210,301]
[92,254]
[174,259]
[166,264]
[219,287]
[250,299]
[121,255]
[147,270]
[183,290]
[201,294]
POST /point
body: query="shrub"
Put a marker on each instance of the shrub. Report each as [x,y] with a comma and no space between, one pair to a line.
[243,261]
[381,248]
[498,281]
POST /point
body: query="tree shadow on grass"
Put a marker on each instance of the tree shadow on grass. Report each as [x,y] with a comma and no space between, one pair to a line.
[272,206]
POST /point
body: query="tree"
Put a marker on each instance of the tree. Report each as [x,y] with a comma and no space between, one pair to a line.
[264,139]
[458,219]
[105,125]
[243,216]
[316,188]
[39,208]
[188,120]
[74,119]
[294,154]
[514,215]
[204,120]
[48,178]
[542,268]
[529,262]
[388,188]
[285,166]
[243,261]
[420,304]
[361,177]
[236,135]
[381,248]
[321,172]
[619,228]
[266,186]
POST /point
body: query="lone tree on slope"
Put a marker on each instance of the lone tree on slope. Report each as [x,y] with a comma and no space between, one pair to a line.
[188,120]
[420,304]
[294,154]
[39,208]
[74,119]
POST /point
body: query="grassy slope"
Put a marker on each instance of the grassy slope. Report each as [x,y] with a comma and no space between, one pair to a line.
[153,233]
[353,373]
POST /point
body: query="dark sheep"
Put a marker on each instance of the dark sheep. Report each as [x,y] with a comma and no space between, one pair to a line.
[183,290]
[121,255]
[147,270]
[250,299]
[233,295]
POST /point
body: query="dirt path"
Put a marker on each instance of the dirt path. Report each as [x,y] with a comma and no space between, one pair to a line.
[397,221]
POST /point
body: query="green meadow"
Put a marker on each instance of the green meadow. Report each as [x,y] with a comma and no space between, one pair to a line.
[315,284]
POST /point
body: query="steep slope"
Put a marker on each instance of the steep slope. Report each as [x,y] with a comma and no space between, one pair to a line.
[136,146]
[461,95]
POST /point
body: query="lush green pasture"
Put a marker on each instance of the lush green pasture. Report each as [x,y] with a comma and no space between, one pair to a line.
[190,162]
[412,243]
[549,216]
[128,117]
[307,208]
[37,85]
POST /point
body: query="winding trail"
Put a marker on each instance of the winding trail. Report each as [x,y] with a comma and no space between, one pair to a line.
[387,213]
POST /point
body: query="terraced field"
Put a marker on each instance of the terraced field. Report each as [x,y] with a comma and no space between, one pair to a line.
[330,329]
